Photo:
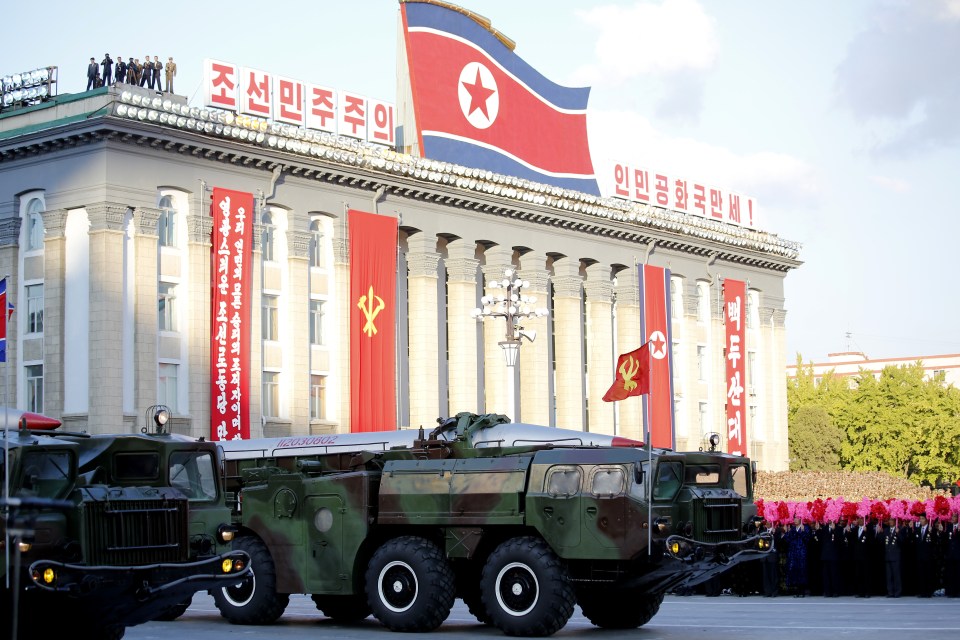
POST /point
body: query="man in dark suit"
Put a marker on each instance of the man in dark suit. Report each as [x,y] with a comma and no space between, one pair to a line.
[860,539]
[157,68]
[146,73]
[831,547]
[107,64]
[121,70]
[770,564]
[133,74]
[926,539]
[951,572]
[93,72]
[894,539]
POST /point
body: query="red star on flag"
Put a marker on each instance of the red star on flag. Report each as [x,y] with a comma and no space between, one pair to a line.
[479,95]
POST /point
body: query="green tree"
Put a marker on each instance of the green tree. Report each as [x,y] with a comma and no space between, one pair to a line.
[815,440]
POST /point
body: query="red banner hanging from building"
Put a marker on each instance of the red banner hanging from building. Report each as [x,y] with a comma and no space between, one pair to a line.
[657,330]
[231,287]
[373,294]
[734,307]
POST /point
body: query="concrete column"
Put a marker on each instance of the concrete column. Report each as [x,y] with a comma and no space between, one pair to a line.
[54,266]
[106,317]
[199,230]
[536,372]
[462,270]
[298,307]
[340,296]
[256,334]
[423,332]
[630,411]
[145,310]
[568,341]
[600,355]
[496,396]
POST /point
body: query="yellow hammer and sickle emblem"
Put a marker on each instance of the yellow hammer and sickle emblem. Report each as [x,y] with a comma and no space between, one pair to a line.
[629,384]
[370,310]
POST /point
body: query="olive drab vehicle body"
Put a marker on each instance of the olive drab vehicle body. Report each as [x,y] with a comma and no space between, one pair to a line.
[102,532]
[521,527]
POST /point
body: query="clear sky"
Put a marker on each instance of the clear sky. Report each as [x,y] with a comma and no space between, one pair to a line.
[842,118]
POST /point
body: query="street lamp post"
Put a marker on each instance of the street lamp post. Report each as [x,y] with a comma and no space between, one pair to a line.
[508,301]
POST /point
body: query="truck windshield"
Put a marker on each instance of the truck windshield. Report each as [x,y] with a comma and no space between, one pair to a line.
[46,474]
[702,474]
[193,473]
[739,476]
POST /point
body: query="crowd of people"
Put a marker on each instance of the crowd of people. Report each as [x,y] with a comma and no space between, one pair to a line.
[145,74]
[863,558]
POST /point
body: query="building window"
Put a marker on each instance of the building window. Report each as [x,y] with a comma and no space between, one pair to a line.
[701,363]
[317,311]
[167,223]
[703,302]
[167,306]
[267,236]
[269,318]
[676,298]
[704,419]
[271,393]
[34,308]
[317,253]
[34,375]
[167,386]
[751,369]
[35,225]
[318,397]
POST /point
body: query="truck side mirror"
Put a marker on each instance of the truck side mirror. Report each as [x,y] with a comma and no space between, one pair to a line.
[638,473]
[753,472]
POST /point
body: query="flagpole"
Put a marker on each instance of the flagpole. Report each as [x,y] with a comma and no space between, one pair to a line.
[6,437]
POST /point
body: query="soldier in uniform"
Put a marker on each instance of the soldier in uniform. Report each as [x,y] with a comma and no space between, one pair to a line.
[121,70]
[171,69]
[133,71]
[894,539]
[770,564]
[926,541]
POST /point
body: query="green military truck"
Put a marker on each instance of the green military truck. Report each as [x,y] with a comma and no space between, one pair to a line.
[521,522]
[102,532]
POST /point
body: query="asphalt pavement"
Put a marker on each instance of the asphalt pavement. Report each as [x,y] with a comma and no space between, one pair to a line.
[680,617]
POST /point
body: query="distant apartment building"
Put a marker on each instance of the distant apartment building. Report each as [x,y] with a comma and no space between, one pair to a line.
[851,363]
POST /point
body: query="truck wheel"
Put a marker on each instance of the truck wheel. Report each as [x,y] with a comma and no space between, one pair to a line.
[525,589]
[619,608]
[410,585]
[254,600]
[344,609]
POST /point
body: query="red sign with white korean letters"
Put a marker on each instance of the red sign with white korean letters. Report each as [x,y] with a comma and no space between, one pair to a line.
[231,289]
[734,319]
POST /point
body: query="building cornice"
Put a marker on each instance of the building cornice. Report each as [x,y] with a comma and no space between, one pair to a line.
[349,163]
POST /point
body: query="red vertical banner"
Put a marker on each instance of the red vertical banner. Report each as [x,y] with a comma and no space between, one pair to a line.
[657,330]
[231,287]
[373,313]
[734,307]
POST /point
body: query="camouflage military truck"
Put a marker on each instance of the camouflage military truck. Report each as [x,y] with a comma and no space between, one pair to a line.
[520,524]
[102,532]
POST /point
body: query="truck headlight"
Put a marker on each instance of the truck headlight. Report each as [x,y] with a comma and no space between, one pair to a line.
[675,548]
[226,533]
[227,565]
[49,575]
[24,547]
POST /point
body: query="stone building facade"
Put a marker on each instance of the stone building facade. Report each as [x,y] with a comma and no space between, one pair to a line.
[105,235]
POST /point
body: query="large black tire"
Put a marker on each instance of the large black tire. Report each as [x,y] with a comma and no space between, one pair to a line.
[468,588]
[525,589]
[410,585]
[343,609]
[175,611]
[254,600]
[618,608]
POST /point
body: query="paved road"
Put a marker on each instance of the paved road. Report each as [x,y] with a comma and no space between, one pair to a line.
[679,618]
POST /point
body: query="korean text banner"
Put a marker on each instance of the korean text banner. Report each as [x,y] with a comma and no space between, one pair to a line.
[734,305]
[373,282]
[657,330]
[231,288]
[478,104]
